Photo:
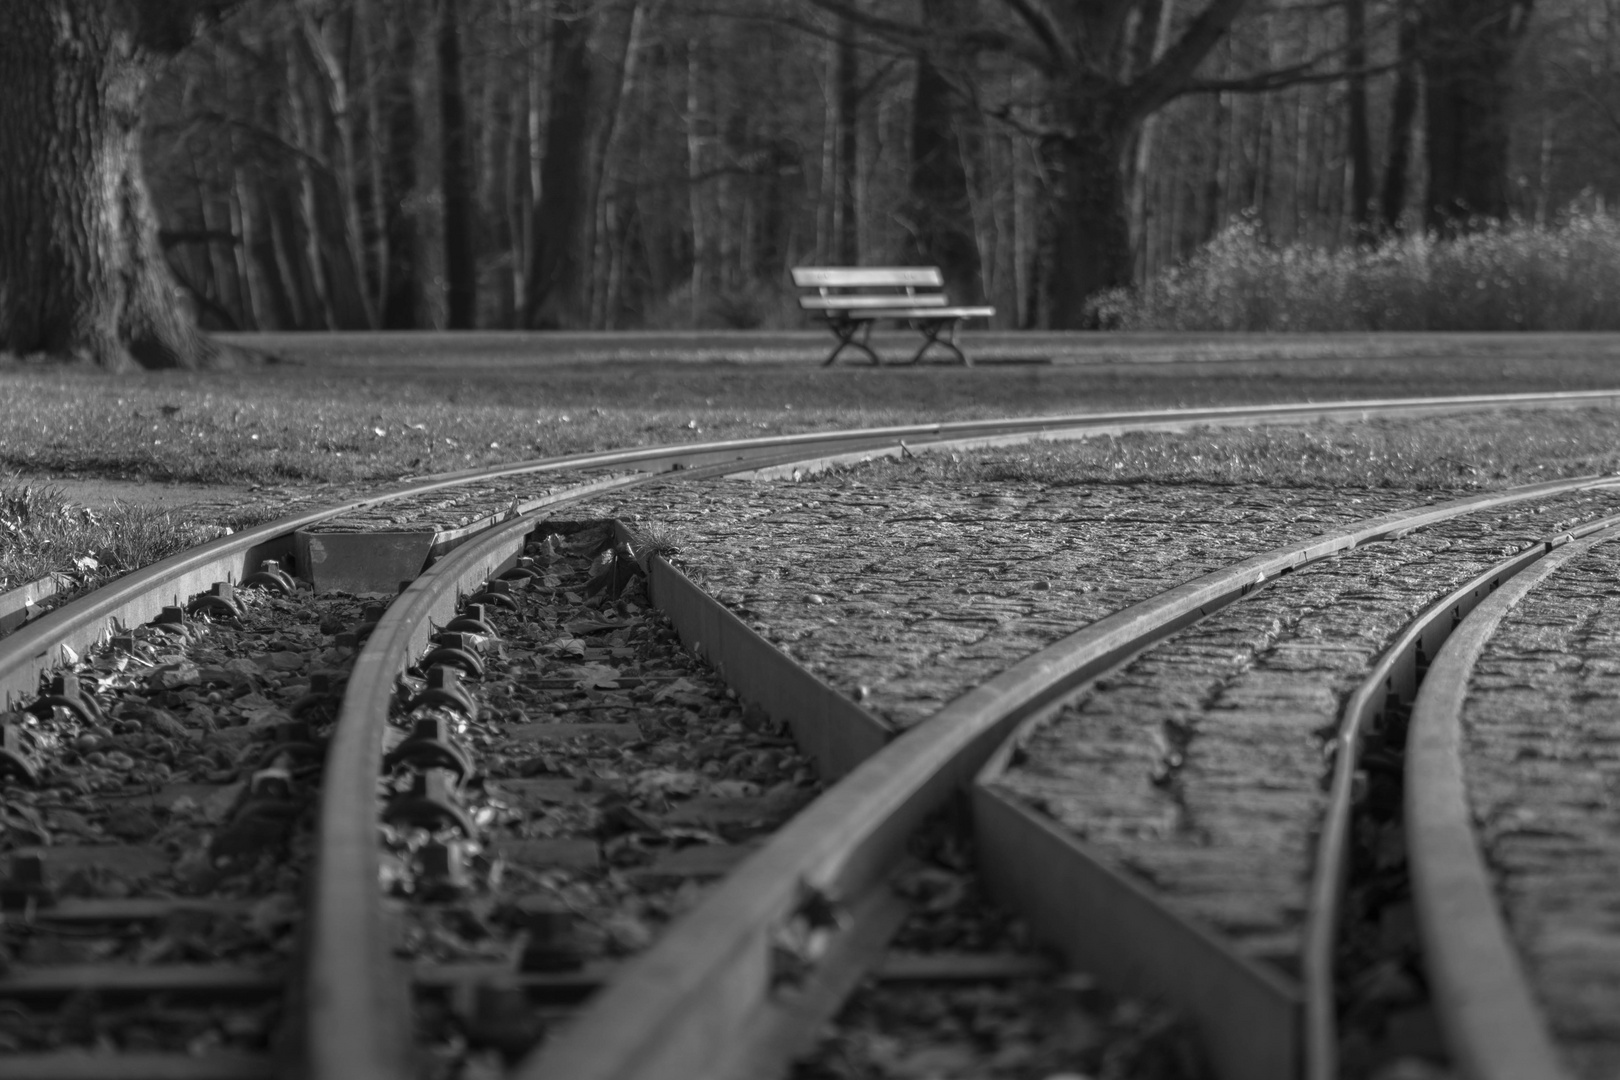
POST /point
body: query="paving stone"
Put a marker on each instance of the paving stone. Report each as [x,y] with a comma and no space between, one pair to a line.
[1542,763]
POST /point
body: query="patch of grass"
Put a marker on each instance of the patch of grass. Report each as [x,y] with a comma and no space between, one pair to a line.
[1429,454]
[42,533]
[1515,276]
[316,423]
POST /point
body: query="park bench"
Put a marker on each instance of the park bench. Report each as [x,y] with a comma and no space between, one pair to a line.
[853,298]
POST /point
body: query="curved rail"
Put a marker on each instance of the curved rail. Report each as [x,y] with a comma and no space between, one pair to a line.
[1395,676]
[1491,1023]
[696,1004]
[129,599]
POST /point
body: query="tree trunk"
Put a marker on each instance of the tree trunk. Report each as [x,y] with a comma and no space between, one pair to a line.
[561,213]
[1359,137]
[1403,110]
[1467,87]
[1085,247]
[81,272]
[396,181]
[941,209]
[847,88]
[460,258]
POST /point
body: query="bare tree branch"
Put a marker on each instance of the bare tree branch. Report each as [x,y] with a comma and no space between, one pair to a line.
[1047,31]
[1159,84]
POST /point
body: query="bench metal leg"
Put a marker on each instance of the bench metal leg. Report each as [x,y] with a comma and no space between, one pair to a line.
[851,334]
[931,332]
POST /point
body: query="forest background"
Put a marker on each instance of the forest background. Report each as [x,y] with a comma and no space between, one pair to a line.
[660,164]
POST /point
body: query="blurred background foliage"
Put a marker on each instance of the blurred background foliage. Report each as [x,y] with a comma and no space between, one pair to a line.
[660,164]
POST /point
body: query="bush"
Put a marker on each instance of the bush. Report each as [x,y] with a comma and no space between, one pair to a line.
[1514,276]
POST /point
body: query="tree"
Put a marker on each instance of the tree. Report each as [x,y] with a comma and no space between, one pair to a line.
[1095,101]
[562,211]
[1467,77]
[941,210]
[81,271]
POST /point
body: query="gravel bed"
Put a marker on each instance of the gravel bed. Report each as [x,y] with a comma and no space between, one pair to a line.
[1542,763]
[905,591]
[615,778]
[191,784]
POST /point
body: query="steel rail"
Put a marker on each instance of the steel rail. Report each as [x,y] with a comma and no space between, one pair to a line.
[696,1003]
[358,1019]
[1394,677]
[1491,1023]
[33,647]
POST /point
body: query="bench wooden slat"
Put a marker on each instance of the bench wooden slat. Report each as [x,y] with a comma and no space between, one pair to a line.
[894,311]
[860,301]
[863,277]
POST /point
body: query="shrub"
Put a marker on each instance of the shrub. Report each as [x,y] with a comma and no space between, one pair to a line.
[1513,276]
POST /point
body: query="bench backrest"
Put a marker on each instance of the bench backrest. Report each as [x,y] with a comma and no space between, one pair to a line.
[867,277]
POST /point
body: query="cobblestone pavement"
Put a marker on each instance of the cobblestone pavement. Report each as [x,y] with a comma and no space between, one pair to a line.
[918,590]
[1542,761]
[1200,766]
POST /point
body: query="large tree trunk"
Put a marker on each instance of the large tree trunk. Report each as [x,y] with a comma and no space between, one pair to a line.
[81,273]
[1402,111]
[561,214]
[1085,246]
[1359,136]
[1467,86]
[941,209]
[460,252]
[396,180]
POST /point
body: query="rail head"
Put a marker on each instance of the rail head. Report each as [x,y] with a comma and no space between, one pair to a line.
[1491,1023]
[691,997]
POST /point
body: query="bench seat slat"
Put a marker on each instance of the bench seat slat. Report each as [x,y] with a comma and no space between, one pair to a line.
[921,313]
[866,277]
[855,303]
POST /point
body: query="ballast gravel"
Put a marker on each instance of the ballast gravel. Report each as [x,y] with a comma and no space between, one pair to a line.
[1542,764]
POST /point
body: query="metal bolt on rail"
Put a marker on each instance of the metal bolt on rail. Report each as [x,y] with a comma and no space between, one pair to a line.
[472,621]
[271,576]
[64,693]
[455,656]
[430,746]
[444,690]
[431,804]
[18,755]
[220,599]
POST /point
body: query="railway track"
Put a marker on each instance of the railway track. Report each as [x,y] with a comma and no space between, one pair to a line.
[543,832]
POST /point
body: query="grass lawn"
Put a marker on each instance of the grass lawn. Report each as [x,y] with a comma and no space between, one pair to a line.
[351,409]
